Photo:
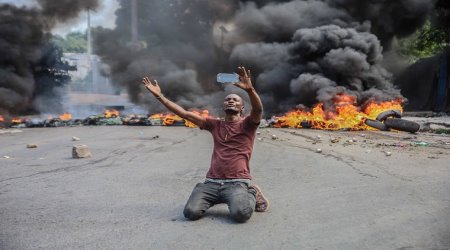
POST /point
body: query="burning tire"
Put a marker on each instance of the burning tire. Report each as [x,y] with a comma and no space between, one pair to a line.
[402,125]
[306,124]
[376,124]
[389,113]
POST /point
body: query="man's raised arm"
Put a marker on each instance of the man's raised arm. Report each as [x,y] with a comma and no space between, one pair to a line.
[154,88]
[246,84]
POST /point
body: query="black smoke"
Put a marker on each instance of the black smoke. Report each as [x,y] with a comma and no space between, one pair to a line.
[300,52]
[31,66]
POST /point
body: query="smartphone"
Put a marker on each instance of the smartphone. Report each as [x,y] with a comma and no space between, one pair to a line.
[227,77]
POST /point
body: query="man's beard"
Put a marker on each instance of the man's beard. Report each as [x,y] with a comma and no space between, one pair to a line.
[232,111]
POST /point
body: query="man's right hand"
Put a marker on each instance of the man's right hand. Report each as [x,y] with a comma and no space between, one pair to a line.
[152,86]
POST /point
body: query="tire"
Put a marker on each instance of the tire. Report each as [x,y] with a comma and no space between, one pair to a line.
[376,124]
[306,124]
[389,113]
[402,125]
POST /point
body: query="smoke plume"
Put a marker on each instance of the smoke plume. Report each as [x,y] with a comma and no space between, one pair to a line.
[27,52]
[300,52]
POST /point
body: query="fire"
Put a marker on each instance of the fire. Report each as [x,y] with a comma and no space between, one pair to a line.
[109,113]
[16,120]
[203,113]
[346,114]
[166,119]
[2,119]
[373,108]
[342,100]
[157,116]
[171,119]
[65,117]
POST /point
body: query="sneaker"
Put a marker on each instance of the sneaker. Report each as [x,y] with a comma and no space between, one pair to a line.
[262,203]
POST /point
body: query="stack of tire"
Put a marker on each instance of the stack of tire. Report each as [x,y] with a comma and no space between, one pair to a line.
[391,119]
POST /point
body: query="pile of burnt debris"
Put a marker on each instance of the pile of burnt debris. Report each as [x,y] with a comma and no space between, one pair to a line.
[95,120]
[385,121]
[108,118]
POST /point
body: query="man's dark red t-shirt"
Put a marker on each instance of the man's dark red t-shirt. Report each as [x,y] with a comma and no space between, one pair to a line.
[233,146]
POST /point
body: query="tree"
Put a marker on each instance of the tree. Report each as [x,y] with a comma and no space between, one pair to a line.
[74,42]
[426,42]
[433,37]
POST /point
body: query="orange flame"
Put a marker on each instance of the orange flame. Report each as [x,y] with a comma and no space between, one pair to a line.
[373,108]
[170,119]
[157,116]
[65,117]
[166,119]
[16,120]
[203,113]
[346,114]
[2,119]
[109,113]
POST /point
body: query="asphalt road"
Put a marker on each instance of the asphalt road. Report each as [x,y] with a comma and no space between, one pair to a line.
[131,193]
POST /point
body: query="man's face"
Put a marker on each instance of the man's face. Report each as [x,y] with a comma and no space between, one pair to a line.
[233,104]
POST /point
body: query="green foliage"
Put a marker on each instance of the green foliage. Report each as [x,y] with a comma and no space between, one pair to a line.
[74,42]
[426,42]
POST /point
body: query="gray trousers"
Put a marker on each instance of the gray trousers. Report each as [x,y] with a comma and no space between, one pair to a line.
[239,198]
